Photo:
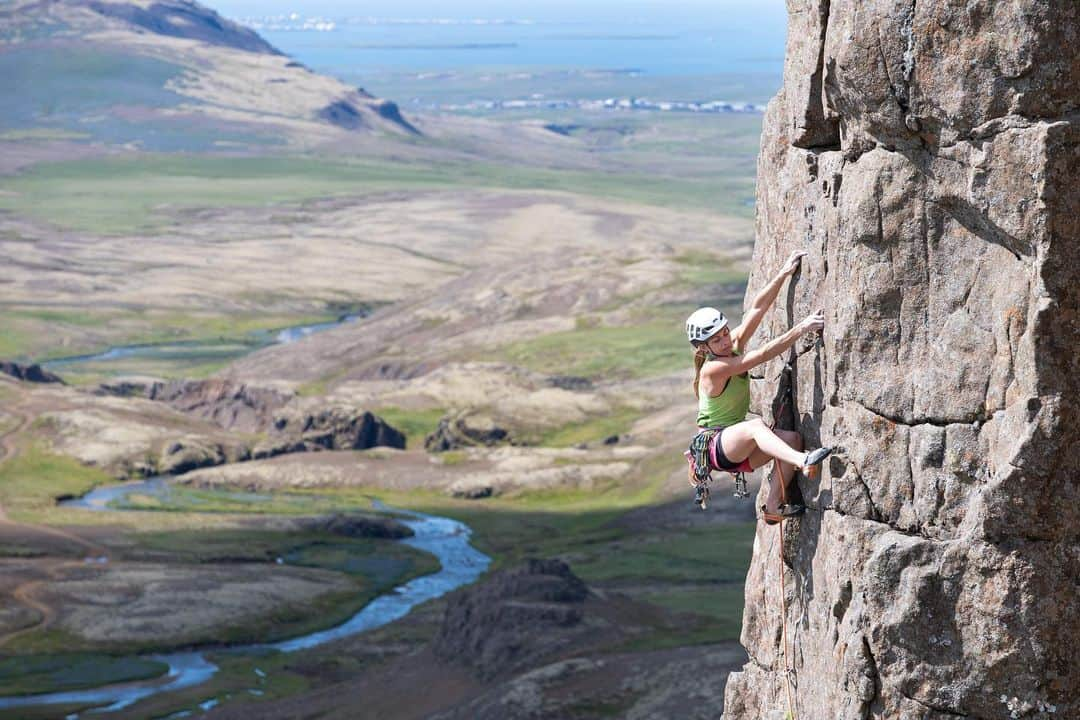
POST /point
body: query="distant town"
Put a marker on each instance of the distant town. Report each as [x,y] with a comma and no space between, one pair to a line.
[296,21]
[541,103]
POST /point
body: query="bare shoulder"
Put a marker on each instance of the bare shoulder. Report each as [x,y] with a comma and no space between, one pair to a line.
[719,369]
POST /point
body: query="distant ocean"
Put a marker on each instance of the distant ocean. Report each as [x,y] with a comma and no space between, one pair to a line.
[671,48]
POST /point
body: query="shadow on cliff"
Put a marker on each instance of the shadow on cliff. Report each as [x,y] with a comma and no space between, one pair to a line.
[801,544]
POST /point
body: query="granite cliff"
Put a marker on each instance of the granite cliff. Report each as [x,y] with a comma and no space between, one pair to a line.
[923,153]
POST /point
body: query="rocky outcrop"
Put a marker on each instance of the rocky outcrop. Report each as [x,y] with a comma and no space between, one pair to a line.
[192,453]
[285,423]
[230,404]
[466,429]
[513,619]
[924,155]
[348,116]
[29,373]
[389,110]
[337,428]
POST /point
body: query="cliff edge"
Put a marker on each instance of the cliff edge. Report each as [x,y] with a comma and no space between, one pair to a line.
[924,154]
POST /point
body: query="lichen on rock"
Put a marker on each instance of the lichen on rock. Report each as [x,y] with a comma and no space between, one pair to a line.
[937,566]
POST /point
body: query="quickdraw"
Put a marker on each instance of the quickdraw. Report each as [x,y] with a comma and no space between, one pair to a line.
[741,490]
[700,465]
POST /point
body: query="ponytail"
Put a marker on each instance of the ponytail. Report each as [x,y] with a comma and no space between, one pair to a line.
[701,354]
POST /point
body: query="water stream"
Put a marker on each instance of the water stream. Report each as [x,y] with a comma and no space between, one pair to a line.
[187,348]
[444,538]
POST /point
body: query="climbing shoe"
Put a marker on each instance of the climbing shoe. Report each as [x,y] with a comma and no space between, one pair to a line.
[785,511]
[814,459]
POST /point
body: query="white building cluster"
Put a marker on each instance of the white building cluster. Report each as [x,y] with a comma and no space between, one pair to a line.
[629,103]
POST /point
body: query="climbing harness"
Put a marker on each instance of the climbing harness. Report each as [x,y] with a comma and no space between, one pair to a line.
[701,467]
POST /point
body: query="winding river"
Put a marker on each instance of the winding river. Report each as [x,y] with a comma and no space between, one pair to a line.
[446,539]
[156,351]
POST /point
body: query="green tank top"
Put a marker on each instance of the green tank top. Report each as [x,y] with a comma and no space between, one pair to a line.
[727,408]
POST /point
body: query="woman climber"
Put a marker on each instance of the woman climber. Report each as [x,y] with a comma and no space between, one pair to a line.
[727,440]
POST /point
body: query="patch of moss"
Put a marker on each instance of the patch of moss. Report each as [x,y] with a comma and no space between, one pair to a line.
[721,605]
[416,424]
[593,430]
[642,350]
[452,457]
[31,481]
[717,554]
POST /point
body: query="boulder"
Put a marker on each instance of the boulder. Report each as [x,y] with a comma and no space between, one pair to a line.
[180,456]
[512,619]
[935,567]
[337,428]
[360,526]
[29,373]
[466,429]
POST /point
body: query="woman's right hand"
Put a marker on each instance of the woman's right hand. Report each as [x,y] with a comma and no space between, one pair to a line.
[812,323]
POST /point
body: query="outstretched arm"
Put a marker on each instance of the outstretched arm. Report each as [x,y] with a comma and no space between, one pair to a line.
[762,302]
[723,368]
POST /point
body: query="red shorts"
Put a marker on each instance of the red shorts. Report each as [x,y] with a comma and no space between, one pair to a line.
[721,462]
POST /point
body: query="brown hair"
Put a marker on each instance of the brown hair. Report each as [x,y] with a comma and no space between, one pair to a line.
[701,354]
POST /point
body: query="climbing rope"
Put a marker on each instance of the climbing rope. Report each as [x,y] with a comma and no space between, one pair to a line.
[789,670]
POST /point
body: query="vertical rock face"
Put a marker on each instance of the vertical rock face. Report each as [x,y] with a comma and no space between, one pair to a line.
[924,153]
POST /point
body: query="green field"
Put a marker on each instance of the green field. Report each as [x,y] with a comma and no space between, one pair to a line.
[651,347]
[73,671]
[32,480]
[144,194]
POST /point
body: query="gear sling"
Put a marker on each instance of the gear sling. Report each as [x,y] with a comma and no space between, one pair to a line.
[701,456]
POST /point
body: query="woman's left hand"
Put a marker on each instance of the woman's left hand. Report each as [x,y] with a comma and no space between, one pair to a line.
[792,263]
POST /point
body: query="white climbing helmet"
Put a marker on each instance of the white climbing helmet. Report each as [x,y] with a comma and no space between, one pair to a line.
[703,323]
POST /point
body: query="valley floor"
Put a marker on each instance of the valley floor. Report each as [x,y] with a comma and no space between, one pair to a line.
[527,320]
